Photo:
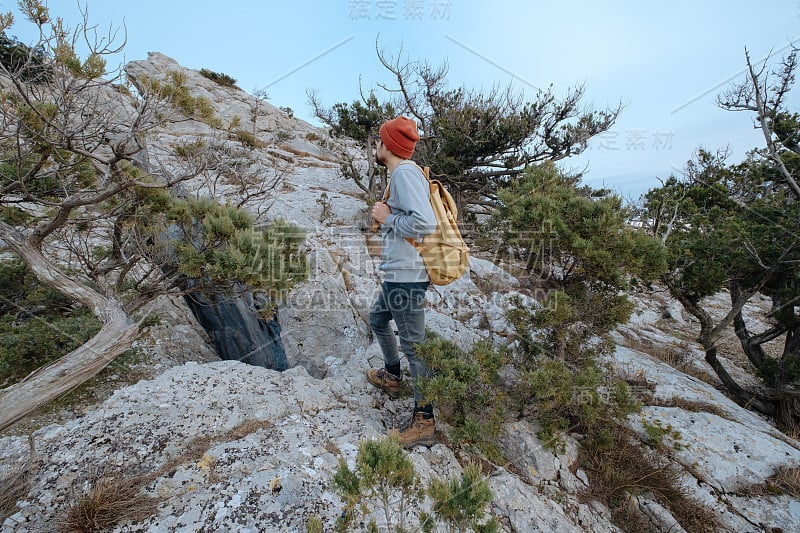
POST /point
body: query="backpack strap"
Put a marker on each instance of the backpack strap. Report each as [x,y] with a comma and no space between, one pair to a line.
[427,173]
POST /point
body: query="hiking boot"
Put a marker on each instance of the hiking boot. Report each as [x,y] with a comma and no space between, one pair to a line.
[421,430]
[384,380]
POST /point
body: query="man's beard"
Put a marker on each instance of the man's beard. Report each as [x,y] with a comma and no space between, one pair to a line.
[380,160]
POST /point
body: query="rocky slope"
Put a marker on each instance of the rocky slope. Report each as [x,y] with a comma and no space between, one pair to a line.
[222,446]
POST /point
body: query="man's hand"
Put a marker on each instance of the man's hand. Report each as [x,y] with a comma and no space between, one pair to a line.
[380,211]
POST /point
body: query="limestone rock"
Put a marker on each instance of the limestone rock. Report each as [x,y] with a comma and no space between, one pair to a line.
[724,453]
[522,448]
[659,519]
[492,274]
[526,510]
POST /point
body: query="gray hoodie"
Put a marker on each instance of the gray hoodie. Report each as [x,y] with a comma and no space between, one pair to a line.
[412,216]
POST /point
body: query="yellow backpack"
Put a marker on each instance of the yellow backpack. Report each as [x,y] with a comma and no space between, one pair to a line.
[444,252]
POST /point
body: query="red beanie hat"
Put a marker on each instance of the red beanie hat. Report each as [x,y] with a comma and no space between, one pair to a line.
[400,136]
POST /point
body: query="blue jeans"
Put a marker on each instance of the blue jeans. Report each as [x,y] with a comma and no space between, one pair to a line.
[405,303]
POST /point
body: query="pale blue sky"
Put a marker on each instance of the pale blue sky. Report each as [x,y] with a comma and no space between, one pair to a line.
[666,61]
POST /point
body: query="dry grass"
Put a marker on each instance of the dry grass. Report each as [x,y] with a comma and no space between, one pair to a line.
[16,483]
[323,163]
[197,447]
[788,480]
[295,151]
[340,258]
[638,383]
[111,499]
[785,480]
[691,405]
[624,468]
[282,156]
[117,496]
[244,429]
[675,355]
[14,486]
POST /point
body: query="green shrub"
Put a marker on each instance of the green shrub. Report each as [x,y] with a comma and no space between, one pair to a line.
[37,323]
[175,90]
[248,139]
[461,502]
[467,390]
[191,149]
[18,58]
[471,397]
[222,79]
[282,135]
[557,353]
[385,472]
[658,433]
[326,204]
[314,524]
[236,121]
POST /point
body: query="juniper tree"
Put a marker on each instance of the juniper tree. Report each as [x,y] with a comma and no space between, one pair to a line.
[478,142]
[581,256]
[81,207]
[735,227]
[572,241]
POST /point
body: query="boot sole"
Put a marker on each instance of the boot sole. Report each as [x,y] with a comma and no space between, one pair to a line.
[393,395]
[428,442]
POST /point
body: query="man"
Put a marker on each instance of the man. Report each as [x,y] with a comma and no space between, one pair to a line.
[406,213]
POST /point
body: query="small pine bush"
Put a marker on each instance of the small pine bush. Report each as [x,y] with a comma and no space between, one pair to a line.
[222,79]
[191,149]
[248,139]
[385,472]
[461,502]
[175,90]
[467,390]
[18,58]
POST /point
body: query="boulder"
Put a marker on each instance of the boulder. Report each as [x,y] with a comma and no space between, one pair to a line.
[523,449]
